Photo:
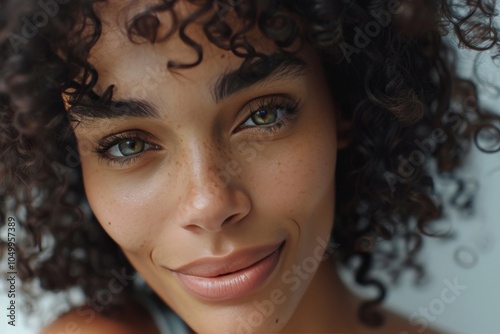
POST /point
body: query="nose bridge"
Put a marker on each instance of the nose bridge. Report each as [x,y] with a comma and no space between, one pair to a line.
[210,200]
[204,160]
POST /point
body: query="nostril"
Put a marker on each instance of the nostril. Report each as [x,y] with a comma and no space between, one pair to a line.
[194,228]
[230,219]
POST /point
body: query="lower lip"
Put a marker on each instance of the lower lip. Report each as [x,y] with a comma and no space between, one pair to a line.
[232,286]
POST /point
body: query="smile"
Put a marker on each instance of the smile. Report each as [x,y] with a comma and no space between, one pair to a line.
[232,277]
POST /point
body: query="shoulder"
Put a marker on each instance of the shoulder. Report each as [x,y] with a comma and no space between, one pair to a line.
[85,320]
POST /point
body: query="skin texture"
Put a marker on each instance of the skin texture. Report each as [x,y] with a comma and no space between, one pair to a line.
[206,186]
[134,319]
[169,207]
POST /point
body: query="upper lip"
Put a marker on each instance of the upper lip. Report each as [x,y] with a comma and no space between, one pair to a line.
[238,260]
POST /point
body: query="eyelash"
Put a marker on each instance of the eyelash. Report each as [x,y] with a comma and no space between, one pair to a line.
[107,143]
[290,107]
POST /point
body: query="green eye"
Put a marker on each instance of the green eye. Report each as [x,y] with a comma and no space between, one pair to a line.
[266,116]
[127,148]
[124,147]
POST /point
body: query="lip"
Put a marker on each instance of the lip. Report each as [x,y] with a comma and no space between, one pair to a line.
[230,277]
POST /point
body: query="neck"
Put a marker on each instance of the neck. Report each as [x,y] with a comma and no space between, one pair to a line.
[327,306]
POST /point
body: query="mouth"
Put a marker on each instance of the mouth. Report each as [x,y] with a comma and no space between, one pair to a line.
[231,277]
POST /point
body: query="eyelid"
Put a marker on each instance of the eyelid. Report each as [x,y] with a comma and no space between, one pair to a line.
[124,135]
[114,150]
[267,99]
[106,143]
[274,100]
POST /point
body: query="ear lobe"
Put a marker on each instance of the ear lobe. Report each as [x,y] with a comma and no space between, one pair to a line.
[344,128]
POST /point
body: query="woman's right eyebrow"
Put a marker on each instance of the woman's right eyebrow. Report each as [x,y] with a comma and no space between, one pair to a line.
[90,109]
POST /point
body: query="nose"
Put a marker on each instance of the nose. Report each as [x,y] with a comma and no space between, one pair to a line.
[213,199]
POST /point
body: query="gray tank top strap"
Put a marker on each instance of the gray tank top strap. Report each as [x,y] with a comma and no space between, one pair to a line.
[165,319]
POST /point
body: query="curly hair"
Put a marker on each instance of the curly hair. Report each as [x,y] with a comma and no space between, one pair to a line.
[390,71]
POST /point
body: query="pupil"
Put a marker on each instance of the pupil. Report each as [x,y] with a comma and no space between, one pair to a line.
[263,116]
[131,147]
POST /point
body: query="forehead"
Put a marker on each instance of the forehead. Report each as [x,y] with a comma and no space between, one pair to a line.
[124,61]
[138,71]
[119,56]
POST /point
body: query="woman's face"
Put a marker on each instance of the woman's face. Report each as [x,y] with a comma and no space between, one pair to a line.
[218,189]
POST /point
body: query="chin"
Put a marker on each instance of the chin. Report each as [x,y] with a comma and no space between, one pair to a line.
[241,323]
[265,312]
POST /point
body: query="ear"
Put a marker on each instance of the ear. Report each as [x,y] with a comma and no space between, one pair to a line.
[344,128]
[65,98]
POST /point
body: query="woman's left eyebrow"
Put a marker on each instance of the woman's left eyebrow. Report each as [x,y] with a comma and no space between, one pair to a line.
[277,66]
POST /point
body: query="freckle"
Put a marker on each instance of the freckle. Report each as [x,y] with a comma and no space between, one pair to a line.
[109,223]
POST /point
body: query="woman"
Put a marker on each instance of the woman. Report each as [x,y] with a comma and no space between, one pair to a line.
[232,153]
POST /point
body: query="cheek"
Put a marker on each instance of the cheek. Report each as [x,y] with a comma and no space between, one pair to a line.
[300,181]
[123,205]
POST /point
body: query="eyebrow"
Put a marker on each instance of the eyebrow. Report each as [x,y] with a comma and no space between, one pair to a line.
[114,109]
[278,66]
